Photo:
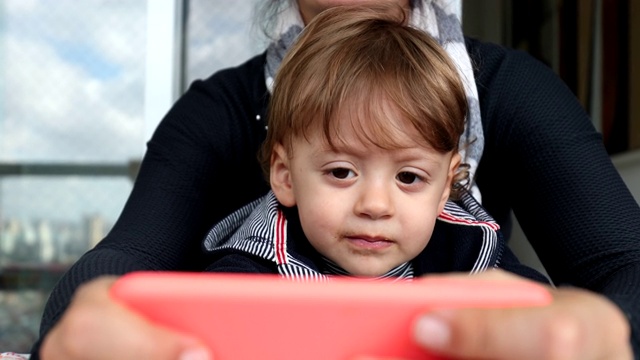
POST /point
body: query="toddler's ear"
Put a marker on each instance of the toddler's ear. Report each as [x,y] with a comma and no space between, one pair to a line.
[280,176]
[453,168]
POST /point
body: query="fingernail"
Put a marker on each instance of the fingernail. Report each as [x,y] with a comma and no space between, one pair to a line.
[196,354]
[432,331]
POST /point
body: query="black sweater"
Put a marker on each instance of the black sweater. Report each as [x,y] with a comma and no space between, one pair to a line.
[542,159]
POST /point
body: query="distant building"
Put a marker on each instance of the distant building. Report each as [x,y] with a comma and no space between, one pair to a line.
[47,249]
[95,230]
[9,237]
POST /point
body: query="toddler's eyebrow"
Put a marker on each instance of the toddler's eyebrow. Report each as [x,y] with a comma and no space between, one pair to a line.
[403,153]
[341,148]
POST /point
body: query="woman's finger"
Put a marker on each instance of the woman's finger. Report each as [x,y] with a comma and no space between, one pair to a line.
[577,325]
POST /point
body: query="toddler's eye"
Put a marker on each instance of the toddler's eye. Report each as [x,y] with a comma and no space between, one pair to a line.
[407,177]
[341,173]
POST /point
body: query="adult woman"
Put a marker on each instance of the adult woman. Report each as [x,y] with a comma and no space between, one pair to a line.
[532,127]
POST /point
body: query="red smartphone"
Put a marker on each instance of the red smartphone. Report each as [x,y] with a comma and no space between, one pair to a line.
[249,316]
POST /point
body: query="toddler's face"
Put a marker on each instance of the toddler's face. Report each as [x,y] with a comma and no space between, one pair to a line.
[366,208]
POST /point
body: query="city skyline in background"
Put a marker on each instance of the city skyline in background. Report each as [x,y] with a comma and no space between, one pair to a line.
[48,242]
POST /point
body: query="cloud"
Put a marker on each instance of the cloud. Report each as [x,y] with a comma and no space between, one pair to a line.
[220,36]
[73,92]
[59,107]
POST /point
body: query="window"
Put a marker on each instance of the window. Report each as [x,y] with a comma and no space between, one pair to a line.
[75,113]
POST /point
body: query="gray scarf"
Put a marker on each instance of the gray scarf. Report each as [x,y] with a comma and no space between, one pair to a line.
[439,18]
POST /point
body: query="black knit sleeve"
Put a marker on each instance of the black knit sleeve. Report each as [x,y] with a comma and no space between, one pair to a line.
[544,159]
[200,165]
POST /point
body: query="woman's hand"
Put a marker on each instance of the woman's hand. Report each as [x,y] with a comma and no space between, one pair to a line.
[577,325]
[96,327]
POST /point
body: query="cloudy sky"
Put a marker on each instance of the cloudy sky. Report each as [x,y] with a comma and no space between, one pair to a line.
[72,91]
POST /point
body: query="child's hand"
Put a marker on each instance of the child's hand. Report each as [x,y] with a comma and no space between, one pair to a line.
[577,325]
[96,327]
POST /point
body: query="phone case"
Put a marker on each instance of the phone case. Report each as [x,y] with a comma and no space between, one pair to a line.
[248,316]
